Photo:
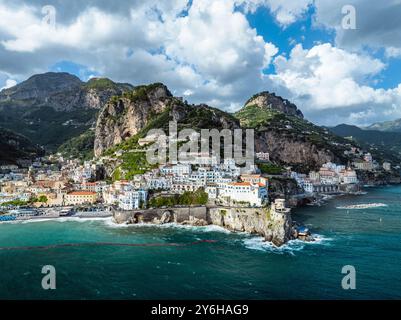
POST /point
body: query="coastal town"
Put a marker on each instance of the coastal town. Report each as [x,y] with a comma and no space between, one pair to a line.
[53,186]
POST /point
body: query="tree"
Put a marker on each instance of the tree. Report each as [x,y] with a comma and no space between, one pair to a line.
[42,199]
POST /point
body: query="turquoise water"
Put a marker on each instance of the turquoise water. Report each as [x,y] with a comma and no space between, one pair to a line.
[237,266]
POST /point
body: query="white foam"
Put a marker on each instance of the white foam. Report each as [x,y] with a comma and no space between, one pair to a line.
[210,228]
[362,206]
[258,243]
[55,219]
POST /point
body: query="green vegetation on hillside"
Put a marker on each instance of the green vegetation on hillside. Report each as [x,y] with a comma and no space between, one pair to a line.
[253,116]
[134,163]
[46,126]
[100,84]
[269,168]
[80,147]
[14,146]
[204,118]
[140,92]
[198,197]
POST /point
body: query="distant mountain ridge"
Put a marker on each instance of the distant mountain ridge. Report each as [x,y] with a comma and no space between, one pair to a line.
[386,145]
[62,92]
[51,108]
[388,126]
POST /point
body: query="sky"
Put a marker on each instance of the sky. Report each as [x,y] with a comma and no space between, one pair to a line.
[339,61]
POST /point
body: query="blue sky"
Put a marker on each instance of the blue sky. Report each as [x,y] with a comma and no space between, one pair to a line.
[219,52]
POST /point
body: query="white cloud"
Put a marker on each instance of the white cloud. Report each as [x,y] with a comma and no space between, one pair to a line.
[9,83]
[328,82]
[378,23]
[285,12]
[211,51]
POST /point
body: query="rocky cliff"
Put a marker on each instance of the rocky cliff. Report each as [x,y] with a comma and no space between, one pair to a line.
[152,107]
[294,150]
[269,101]
[274,227]
[290,139]
[123,117]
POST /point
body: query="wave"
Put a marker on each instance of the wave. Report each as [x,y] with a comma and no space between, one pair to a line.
[55,219]
[259,243]
[210,228]
[362,206]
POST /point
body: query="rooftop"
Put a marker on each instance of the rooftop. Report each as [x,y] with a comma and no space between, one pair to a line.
[82,193]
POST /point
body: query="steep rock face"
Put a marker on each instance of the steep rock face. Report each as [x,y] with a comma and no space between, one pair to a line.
[153,107]
[276,229]
[126,116]
[287,137]
[293,151]
[267,100]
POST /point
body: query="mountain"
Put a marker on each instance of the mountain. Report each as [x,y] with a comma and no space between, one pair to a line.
[279,128]
[147,107]
[15,147]
[388,126]
[291,140]
[269,101]
[51,108]
[385,146]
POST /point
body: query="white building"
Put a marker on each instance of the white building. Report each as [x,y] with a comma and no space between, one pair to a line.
[246,192]
[264,156]
[348,177]
[159,183]
[133,199]
[308,185]
[94,186]
[176,169]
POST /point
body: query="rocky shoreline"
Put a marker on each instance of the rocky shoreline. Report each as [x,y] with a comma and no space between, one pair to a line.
[273,223]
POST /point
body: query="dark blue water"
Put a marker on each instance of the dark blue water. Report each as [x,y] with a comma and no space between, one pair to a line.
[237,266]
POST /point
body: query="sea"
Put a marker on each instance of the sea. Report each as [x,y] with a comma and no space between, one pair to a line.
[97,259]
